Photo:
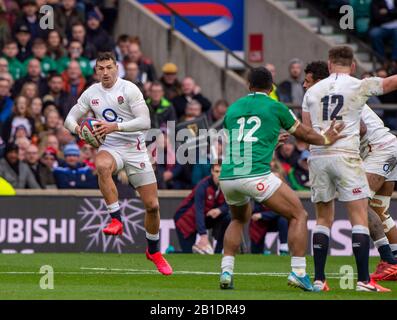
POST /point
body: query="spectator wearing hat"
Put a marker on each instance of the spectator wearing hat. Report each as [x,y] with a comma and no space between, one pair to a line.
[132,74]
[74,174]
[169,80]
[75,51]
[298,176]
[39,50]
[97,35]
[34,75]
[291,90]
[10,53]
[79,34]
[16,172]
[161,109]
[59,97]
[6,102]
[147,72]
[23,38]
[65,16]
[30,18]
[190,91]
[49,158]
[42,173]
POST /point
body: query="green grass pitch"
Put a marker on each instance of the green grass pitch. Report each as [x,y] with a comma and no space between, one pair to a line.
[131,276]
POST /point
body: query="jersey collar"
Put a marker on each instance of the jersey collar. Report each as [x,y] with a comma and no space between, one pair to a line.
[254,93]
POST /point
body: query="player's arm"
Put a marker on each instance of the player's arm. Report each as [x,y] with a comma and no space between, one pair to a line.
[73,116]
[389,84]
[310,136]
[306,120]
[303,132]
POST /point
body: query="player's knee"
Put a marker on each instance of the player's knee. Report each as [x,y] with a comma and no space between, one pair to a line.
[300,214]
[104,168]
[152,207]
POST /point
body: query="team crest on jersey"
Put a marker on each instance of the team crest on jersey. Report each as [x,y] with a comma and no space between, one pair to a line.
[95,102]
[120,99]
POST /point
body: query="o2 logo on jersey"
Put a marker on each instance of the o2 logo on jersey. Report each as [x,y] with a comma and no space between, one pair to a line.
[111,116]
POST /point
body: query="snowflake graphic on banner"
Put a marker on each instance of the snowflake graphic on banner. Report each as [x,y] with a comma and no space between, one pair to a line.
[94,216]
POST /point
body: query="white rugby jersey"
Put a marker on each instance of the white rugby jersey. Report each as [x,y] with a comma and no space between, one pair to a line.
[342,97]
[115,105]
[377,136]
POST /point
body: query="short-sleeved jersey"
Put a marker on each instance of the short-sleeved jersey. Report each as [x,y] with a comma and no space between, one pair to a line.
[340,97]
[252,125]
[377,134]
[114,105]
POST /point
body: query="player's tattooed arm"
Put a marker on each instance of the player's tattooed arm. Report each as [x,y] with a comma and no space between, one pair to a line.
[309,135]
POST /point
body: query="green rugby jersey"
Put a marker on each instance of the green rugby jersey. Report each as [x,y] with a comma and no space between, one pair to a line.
[252,125]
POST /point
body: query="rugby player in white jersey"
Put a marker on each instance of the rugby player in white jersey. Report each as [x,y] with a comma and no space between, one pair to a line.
[339,168]
[124,119]
[378,149]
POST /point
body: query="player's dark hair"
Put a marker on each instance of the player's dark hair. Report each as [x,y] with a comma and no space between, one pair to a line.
[260,78]
[103,56]
[341,55]
[318,69]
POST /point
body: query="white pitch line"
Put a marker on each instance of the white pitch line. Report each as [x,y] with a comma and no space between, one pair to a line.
[268,274]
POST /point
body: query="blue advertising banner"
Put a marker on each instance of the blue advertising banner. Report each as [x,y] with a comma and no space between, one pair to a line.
[221,19]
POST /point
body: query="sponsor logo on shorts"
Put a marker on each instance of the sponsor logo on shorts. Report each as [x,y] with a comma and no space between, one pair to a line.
[120,99]
[95,102]
[357,190]
[142,165]
[261,187]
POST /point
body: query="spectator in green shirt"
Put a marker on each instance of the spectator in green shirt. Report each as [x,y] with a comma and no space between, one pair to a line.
[15,67]
[75,51]
[39,50]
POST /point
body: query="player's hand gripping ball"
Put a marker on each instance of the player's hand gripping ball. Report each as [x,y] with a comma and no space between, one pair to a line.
[87,128]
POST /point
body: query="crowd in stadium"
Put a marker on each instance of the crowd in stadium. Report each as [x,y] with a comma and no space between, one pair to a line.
[43,72]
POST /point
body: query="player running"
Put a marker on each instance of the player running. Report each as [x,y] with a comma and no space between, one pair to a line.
[378,149]
[252,125]
[339,167]
[124,116]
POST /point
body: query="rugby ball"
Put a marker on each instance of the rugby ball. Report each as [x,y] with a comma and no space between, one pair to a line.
[87,127]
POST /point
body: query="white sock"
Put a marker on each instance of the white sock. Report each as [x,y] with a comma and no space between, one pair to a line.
[153,237]
[298,265]
[227,264]
[283,247]
[393,247]
[381,242]
[113,207]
